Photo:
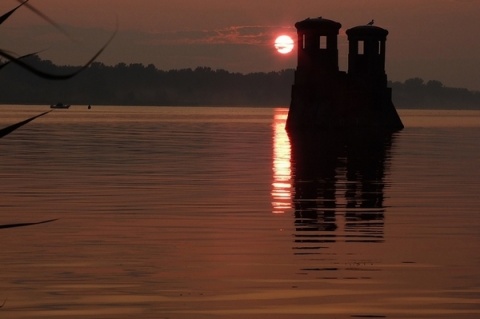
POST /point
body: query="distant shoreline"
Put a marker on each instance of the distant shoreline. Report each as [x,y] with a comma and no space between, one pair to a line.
[228,106]
[136,84]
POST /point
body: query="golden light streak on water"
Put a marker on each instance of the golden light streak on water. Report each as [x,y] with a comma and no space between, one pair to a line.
[281,166]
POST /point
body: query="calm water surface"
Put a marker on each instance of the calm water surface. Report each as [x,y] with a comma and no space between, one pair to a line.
[215,213]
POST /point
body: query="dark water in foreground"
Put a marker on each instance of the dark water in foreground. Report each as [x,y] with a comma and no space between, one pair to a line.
[214,213]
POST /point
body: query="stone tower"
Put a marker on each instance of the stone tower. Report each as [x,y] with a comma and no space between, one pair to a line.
[317,47]
[366,54]
[324,97]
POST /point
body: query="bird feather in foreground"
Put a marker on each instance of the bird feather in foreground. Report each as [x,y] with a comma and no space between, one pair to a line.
[26,224]
[18,61]
[13,58]
[3,132]
[9,129]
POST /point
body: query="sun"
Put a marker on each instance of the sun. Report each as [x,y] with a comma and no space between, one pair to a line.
[284,44]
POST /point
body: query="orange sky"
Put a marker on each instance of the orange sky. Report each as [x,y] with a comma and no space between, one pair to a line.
[431,39]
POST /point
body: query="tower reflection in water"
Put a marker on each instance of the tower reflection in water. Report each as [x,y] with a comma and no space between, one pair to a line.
[337,183]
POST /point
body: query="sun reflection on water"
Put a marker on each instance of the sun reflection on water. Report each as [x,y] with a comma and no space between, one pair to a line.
[281,185]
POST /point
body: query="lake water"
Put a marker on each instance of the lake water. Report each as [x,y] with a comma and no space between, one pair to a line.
[215,213]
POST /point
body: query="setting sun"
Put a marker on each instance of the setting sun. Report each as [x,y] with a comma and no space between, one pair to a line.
[284,44]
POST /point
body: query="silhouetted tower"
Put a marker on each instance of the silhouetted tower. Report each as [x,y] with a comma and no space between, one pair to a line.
[317,71]
[317,46]
[368,79]
[324,97]
[366,56]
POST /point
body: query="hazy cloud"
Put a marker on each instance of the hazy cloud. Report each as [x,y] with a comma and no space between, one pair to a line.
[241,35]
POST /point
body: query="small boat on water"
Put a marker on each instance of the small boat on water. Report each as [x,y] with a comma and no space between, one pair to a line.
[59,106]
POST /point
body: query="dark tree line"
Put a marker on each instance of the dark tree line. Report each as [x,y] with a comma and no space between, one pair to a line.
[415,93]
[137,84]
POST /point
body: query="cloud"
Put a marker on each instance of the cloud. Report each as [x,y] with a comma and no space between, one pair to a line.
[239,35]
